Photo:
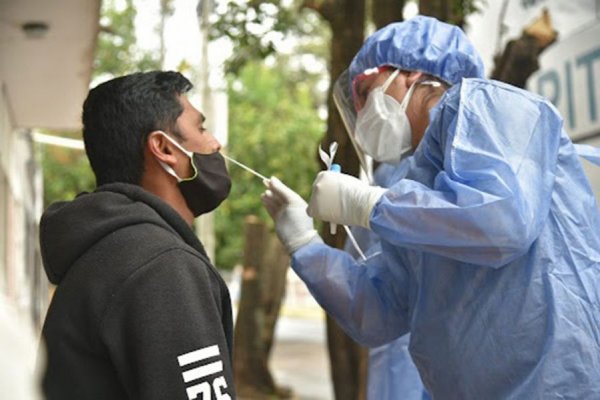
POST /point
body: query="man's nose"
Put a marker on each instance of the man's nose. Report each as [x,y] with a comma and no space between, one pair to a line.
[215,145]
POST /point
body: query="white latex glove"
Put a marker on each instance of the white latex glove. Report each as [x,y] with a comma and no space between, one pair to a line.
[343,199]
[293,225]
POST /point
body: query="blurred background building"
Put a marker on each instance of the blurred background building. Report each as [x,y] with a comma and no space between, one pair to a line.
[46,54]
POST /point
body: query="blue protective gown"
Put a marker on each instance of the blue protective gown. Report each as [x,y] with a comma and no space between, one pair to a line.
[489,255]
[392,374]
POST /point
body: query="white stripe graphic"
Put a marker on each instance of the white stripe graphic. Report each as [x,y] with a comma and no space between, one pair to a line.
[198,355]
[202,371]
[202,388]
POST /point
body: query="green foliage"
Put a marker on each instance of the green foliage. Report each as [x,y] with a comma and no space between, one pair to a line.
[453,11]
[167,8]
[117,53]
[463,8]
[273,128]
[67,171]
[274,125]
[256,27]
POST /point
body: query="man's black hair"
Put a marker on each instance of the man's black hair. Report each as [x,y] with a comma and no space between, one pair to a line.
[118,116]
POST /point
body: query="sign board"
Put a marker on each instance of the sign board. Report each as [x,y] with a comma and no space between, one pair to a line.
[569,76]
[502,20]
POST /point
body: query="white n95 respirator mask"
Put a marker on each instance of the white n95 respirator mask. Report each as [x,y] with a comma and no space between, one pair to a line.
[382,127]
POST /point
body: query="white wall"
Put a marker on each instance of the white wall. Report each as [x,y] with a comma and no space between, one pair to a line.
[43,82]
[20,210]
[5,129]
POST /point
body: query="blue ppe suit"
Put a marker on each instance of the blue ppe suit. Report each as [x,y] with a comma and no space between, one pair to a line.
[392,373]
[489,255]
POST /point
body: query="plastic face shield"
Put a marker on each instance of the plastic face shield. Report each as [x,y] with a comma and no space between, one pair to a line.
[346,98]
[342,97]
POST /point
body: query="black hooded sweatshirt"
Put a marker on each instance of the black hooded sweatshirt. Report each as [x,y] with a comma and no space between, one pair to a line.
[139,311]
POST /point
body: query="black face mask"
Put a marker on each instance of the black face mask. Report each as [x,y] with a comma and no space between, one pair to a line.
[210,184]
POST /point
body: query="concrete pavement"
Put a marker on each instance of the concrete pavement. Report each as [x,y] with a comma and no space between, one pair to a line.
[299,358]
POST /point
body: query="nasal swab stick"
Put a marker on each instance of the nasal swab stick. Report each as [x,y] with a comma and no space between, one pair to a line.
[264,178]
[246,168]
[354,243]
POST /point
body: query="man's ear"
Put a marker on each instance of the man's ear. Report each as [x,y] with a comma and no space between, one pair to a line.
[412,77]
[160,147]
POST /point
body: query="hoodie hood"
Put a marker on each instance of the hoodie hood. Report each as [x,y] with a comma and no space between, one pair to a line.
[68,229]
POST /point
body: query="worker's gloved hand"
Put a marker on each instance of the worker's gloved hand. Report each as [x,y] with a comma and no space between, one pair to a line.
[343,199]
[293,225]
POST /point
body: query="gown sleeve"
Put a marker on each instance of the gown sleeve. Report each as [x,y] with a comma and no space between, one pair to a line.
[369,299]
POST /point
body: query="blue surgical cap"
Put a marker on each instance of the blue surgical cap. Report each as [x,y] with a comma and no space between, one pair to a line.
[421,44]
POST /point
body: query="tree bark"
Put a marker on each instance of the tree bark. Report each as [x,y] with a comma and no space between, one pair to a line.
[440,9]
[517,62]
[346,356]
[346,19]
[262,288]
[451,11]
[384,12]
[520,56]
[275,262]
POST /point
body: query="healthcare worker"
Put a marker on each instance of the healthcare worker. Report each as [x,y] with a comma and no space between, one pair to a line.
[490,242]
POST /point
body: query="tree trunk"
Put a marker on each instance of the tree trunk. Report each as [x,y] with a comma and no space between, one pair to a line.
[517,62]
[440,9]
[384,12]
[346,19]
[265,266]
[451,11]
[345,355]
[275,267]
[520,56]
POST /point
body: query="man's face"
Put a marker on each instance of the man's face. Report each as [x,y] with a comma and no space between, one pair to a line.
[193,135]
[190,125]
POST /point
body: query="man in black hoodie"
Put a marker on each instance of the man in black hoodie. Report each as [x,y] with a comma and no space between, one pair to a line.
[139,311]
